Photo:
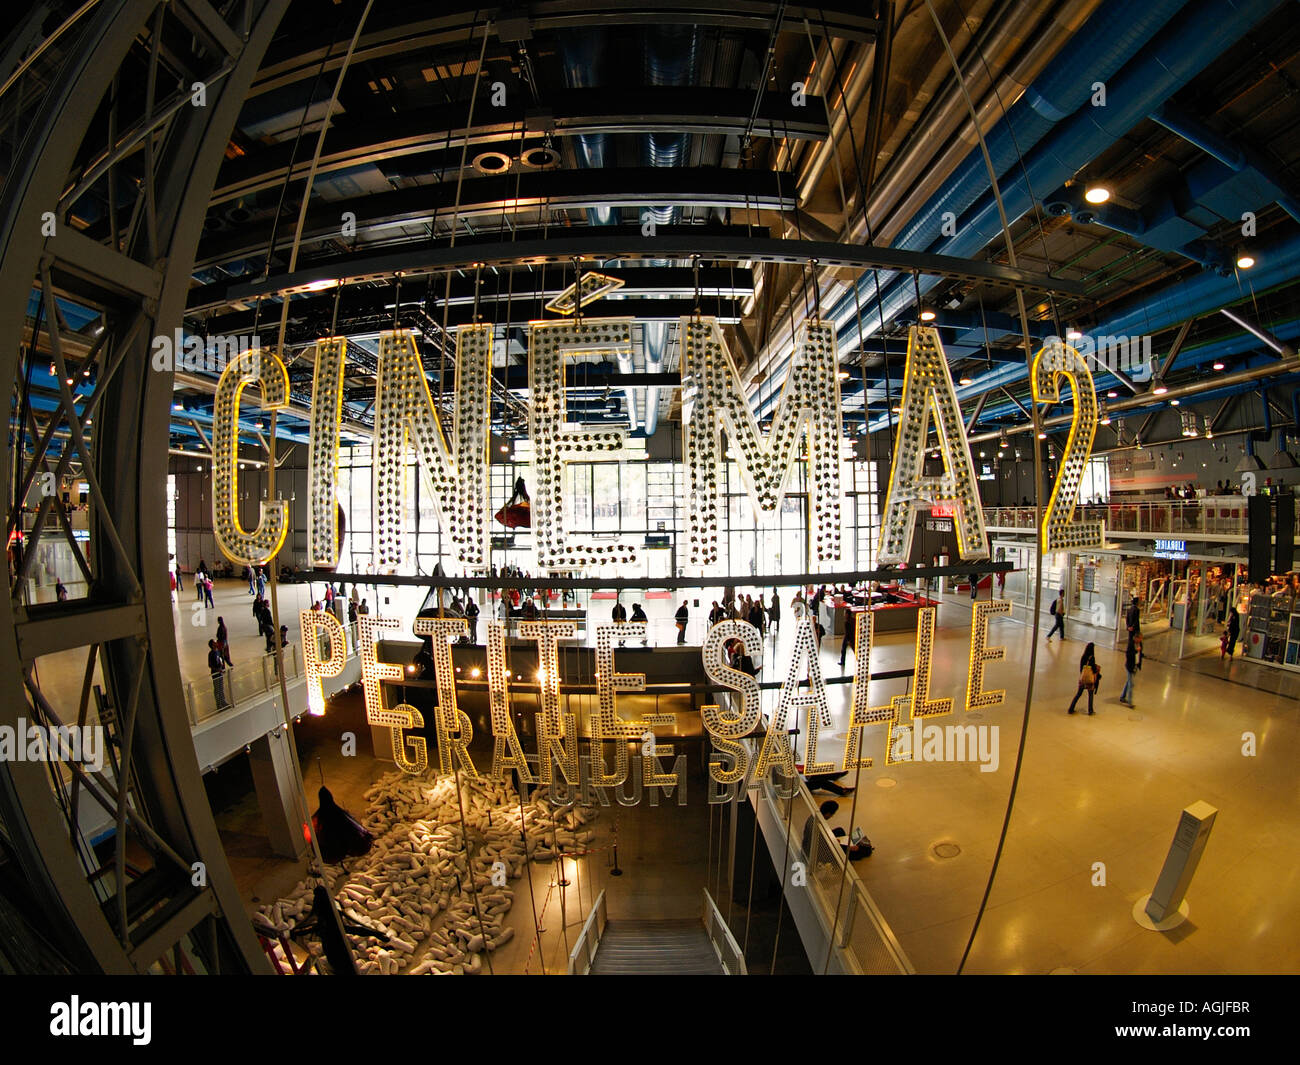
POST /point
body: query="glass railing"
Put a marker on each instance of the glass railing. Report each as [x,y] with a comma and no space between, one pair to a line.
[1208,517]
[239,684]
[850,920]
[583,954]
[724,943]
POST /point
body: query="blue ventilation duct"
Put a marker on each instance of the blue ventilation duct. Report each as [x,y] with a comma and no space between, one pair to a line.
[1112,37]
[1237,157]
[1204,30]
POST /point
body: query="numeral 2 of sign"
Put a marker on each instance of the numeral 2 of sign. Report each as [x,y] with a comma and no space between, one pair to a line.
[1059,532]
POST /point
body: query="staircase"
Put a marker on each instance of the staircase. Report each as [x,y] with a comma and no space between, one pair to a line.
[677,948]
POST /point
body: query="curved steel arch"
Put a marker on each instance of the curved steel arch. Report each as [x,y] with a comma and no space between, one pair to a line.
[104,918]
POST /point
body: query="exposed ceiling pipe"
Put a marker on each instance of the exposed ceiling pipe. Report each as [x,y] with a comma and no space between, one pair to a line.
[582,54]
[1241,377]
[1113,36]
[993,49]
[1285,350]
[1205,28]
[1236,156]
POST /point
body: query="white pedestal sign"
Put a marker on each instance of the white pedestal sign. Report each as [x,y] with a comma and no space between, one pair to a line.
[1180,864]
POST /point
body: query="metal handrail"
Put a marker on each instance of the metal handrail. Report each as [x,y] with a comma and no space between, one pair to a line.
[583,954]
[724,943]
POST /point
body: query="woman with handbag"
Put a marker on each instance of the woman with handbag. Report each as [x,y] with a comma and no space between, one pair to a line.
[1089,676]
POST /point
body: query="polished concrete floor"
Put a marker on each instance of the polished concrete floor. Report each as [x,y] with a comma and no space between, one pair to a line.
[1097,802]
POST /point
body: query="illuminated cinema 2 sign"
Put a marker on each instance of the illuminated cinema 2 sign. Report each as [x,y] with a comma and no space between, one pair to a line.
[713,402]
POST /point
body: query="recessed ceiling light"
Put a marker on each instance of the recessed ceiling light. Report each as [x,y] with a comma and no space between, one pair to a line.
[1096,194]
[316,286]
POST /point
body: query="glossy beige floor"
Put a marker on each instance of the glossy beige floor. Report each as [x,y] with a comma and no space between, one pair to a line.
[1096,807]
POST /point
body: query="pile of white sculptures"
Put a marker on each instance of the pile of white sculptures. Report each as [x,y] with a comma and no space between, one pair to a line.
[414,885]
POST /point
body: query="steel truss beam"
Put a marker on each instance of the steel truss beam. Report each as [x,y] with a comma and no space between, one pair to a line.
[607,244]
[515,128]
[495,287]
[376,313]
[107,916]
[547,190]
[314,52]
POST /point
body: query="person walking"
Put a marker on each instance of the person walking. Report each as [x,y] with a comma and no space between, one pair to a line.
[207,590]
[1058,612]
[1089,676]
[223,641]
[198,583]
[248,573]
[774,613]
[1133,619]
[261,582]
[850,636]
[638,616]
[60,592]
[683,615]
[1229,647]
[217,667]
[471,616]
[1132,663]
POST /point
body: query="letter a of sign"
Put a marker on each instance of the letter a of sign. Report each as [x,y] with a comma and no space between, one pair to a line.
[404,412]
[713,400]
[927,388]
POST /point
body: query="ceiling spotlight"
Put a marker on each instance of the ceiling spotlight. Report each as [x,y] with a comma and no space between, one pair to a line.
[843,375]
[1073,334]
[1160,388]
[316,286]
[927,315]
[1096,194]
[1174,402]
[1245,260]
[896,410]
[1218,364]
[1112,394]
[965,379]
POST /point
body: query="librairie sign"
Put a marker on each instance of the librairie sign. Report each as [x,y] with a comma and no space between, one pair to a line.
[713,400]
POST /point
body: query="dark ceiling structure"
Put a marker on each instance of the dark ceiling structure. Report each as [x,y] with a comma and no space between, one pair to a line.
[761,162]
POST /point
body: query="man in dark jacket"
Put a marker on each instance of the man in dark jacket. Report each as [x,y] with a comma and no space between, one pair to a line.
[683,616]
[217,667]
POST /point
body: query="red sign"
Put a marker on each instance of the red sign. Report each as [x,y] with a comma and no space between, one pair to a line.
[941,510]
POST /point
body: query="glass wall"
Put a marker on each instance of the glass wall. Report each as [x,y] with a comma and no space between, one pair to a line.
[632,498]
